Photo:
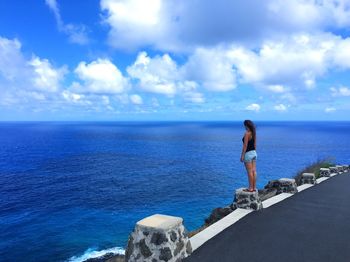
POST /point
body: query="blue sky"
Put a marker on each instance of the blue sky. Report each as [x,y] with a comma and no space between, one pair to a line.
[174,60]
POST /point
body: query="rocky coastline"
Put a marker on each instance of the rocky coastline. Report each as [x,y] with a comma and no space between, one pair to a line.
[109,257]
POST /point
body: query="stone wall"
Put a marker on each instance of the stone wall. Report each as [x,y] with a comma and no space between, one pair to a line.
[164,238]
[283,185]
[308,178]
[158,238]
[333,170]
[247,200]
[340,168]
[325,172]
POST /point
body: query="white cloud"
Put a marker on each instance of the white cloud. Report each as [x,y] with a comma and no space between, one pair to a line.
[100,76]
[161,75]
[46,77]
[281,66]
[330,109]
[182,25]
[136,99]
[155,102]
[296,60]
[36,95]
[276,88]
[155,75]
[90,102]
[189,90]
[289,97]
[134,22]
[211,68]
[280,107]
[253,107]
[105,100]
[12,62]
[123,98]
[341,91]
[341,54]
[194,97]
[280,48]
[76,33]
[71,97]
[21,73]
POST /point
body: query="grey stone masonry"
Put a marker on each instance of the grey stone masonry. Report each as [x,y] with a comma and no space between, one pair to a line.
[158,238]
[247,200]
[308,178]
[283,185]
[340,168]
[325,172]
[333,170]
[287,185]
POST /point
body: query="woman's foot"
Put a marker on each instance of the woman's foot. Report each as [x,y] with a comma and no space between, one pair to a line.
[248,190]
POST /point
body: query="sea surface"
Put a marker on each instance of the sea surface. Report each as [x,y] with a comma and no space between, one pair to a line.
[74,190]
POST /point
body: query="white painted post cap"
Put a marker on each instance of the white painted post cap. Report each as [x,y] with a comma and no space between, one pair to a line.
[158,221]
[308,175]
[284,179]
[241,191]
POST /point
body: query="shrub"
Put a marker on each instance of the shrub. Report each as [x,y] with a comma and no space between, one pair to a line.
[315,168]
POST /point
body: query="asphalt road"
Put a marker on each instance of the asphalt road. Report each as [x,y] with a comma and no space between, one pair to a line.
[312,225]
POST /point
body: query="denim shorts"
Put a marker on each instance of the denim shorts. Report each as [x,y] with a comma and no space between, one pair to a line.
[250,156]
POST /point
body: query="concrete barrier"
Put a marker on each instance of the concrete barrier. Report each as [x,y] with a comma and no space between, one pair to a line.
[340,169]
[247,200]
[287,185]
[158,238]
[283,185]
[333,170]
[325,172]
[308,178]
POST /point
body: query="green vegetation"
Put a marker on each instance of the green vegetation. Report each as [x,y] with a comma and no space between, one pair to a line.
[315,168]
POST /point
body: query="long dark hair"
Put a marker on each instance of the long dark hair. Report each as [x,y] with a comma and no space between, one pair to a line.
[251,127]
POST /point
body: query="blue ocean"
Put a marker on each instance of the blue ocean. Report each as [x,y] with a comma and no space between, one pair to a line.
[73,190]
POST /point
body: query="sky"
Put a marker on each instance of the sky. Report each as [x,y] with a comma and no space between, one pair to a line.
[130,60]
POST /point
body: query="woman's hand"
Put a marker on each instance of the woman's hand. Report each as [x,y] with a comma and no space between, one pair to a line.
[242,158]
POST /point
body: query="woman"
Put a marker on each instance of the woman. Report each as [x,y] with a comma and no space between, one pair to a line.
[249,155]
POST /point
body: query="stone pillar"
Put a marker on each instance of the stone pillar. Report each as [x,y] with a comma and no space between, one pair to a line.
[308,178]
[247,200]
[287,185]
[158,238]
[333,170]
[283,185]
[340,169]
[325,172]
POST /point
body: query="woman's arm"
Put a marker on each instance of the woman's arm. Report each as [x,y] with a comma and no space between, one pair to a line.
[245,144]
[255,142]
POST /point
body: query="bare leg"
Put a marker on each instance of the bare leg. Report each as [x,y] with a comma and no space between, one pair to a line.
[249,169]
[254,173]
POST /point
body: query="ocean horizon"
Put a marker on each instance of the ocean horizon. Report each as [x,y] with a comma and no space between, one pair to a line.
[71,190]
